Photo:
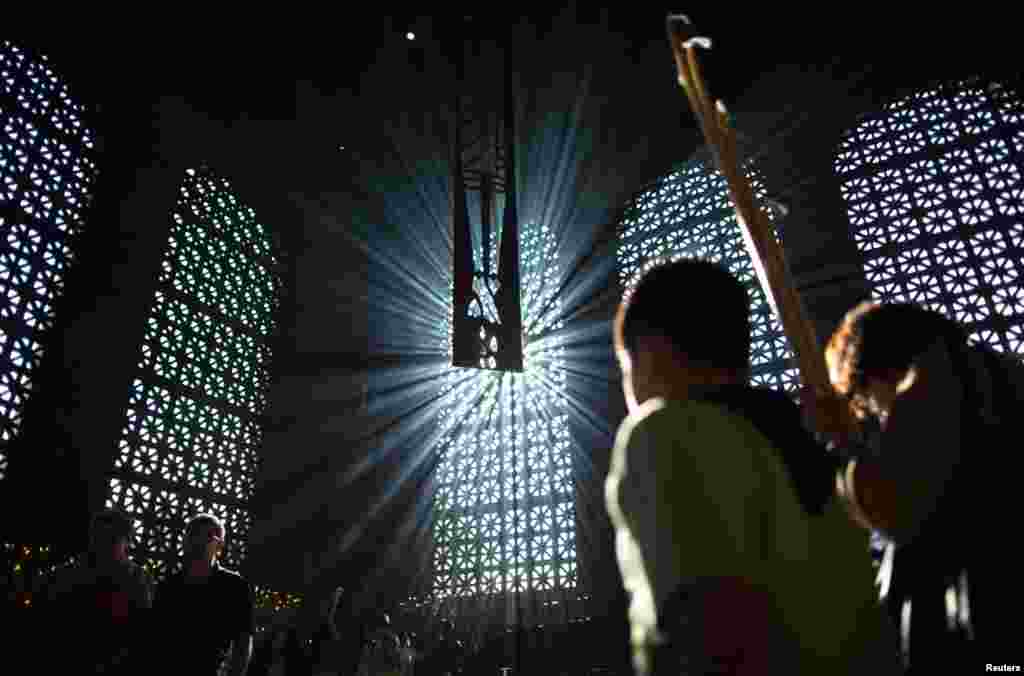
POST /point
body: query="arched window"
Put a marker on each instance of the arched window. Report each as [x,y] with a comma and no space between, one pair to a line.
[46,177]
[190,439]
[504,511]
[935,198]
[688,214]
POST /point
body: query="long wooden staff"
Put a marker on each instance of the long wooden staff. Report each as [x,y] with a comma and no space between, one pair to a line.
[765,252]
[758,233]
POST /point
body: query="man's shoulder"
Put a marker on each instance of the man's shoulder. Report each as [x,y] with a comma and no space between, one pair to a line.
[692,438]
[650,410]
[229,576]
[683,418]
[232,582]
[662,433]
[639,426]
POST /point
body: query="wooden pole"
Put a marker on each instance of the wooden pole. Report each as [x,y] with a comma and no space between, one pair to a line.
[758,234]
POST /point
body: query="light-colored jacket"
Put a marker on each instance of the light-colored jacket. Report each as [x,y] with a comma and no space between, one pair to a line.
[697,492]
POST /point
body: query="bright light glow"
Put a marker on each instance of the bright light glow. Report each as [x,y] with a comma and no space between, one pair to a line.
[190,438]
[46,177]
[687,214]
[410,36]
[504,516]
[935,196]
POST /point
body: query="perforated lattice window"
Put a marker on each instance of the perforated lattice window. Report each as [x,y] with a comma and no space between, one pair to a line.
[190,439]
[935,199]
[46,177]
[504,518]
[688,214]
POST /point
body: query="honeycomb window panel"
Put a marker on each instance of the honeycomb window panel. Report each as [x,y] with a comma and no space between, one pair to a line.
[965,194]
[698,221]
[195,403]
[47,174]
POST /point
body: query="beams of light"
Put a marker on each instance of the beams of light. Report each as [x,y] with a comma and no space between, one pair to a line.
[401,224]
[505,458]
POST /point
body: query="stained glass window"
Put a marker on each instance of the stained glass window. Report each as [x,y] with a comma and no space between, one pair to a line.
[46,177]
[191,430]
[935,199]
[688,214]
[504,517]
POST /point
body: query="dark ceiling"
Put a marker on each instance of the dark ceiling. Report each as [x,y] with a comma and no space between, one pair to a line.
[229,63]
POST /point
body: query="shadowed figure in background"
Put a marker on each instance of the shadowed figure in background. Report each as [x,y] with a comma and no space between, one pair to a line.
[106,600]
[446,656]
[939,479]
[205,613]
[280,653]
[328,649]
[735,555]
[409,653]
[381,655]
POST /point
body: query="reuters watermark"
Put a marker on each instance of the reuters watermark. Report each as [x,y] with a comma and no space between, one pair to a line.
[1002,668]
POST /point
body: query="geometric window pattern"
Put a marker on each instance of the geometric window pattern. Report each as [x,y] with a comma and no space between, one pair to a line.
[46,177]
[688,214]
[190,438]
[504,519]
[935,197]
